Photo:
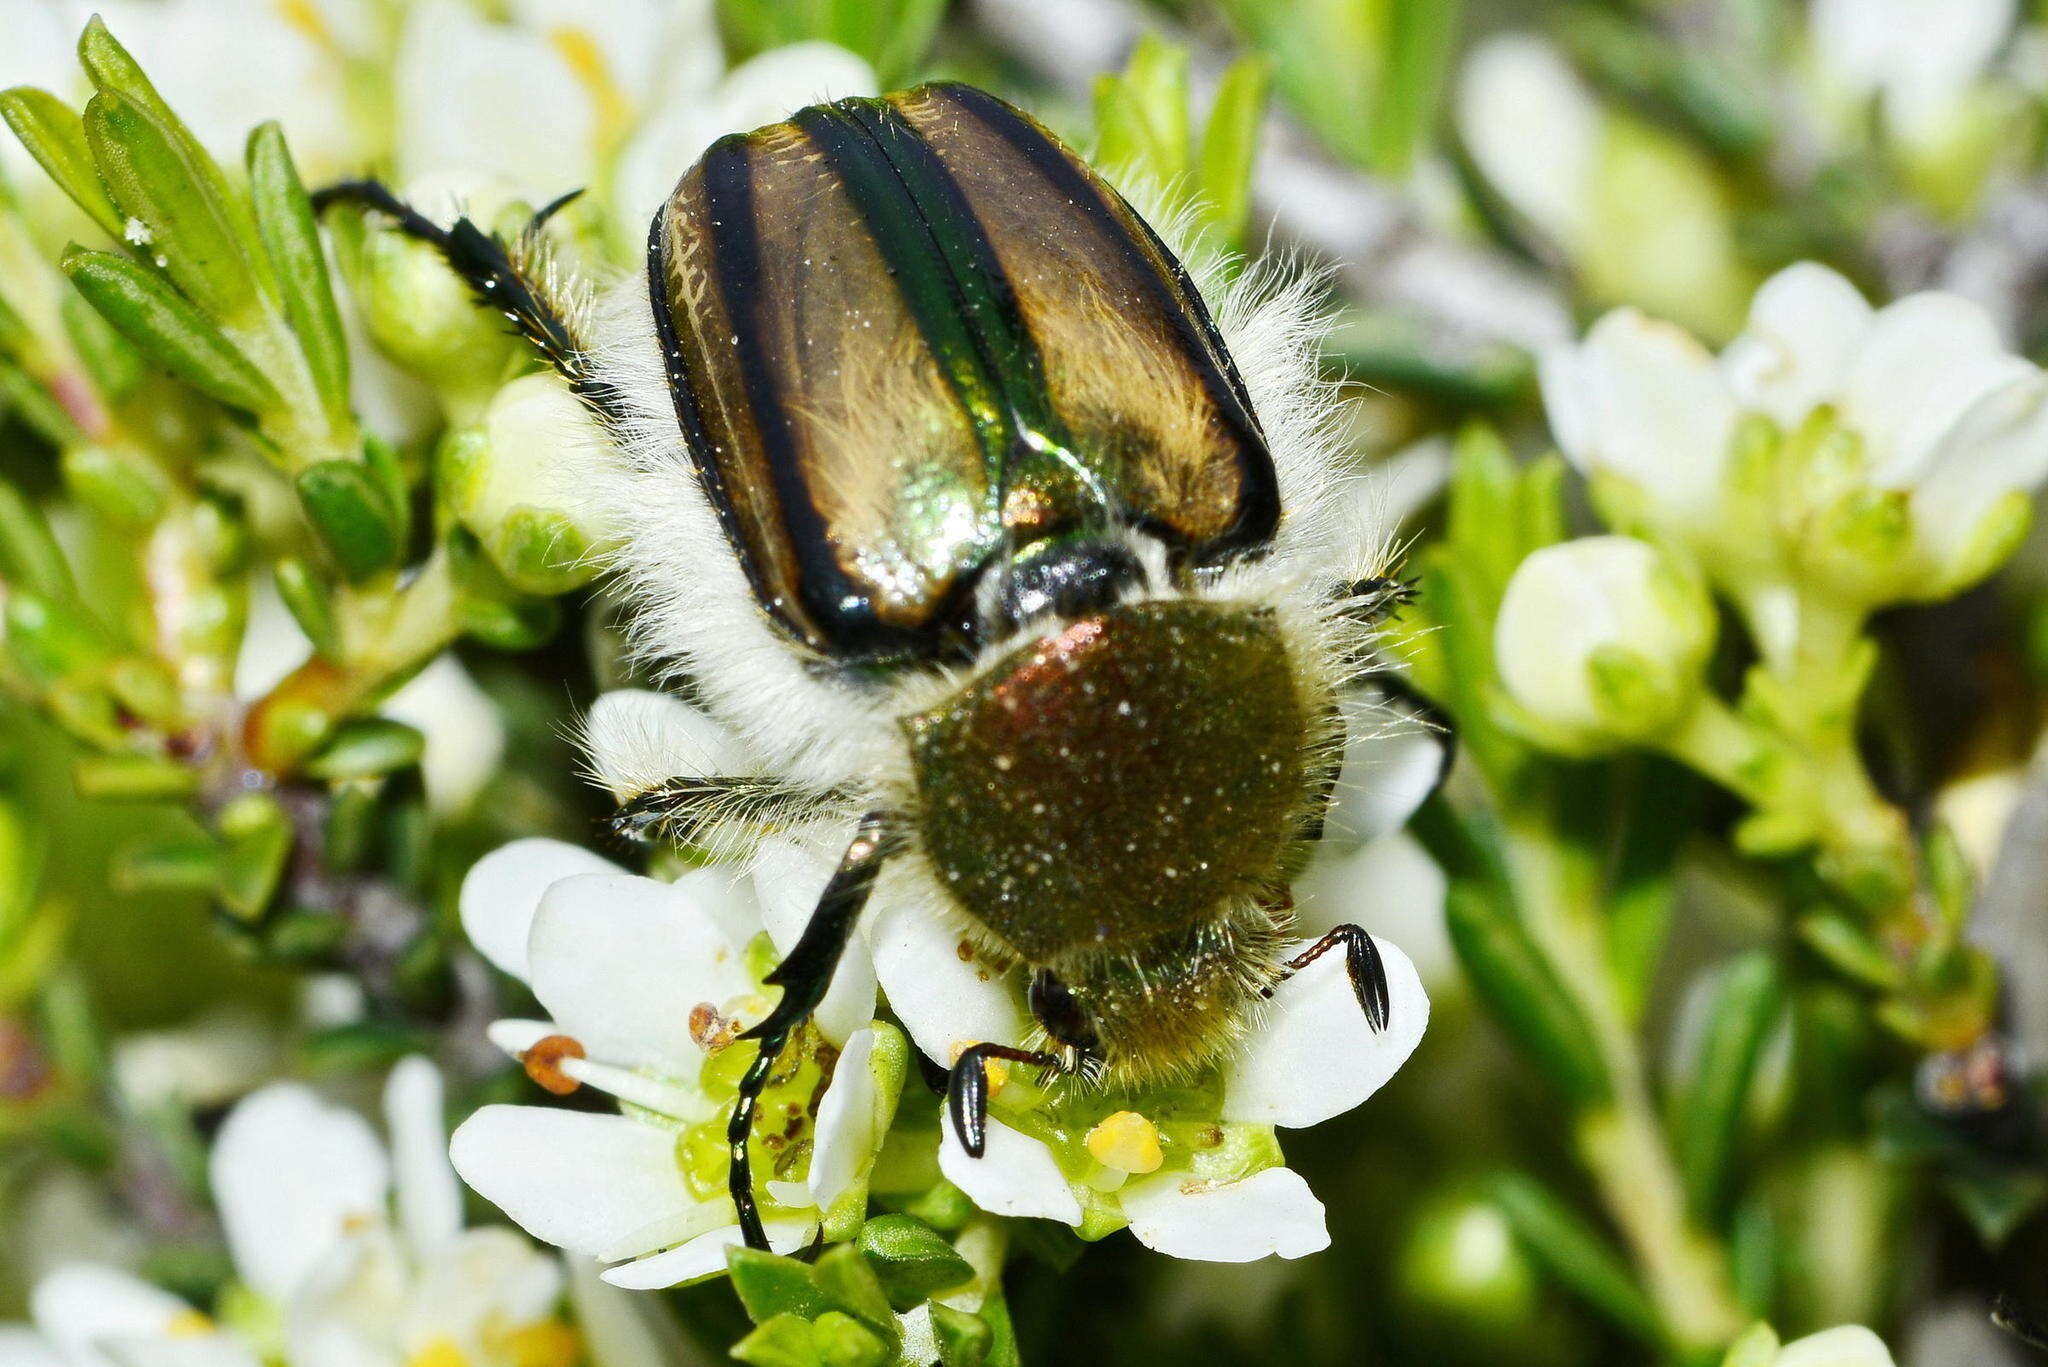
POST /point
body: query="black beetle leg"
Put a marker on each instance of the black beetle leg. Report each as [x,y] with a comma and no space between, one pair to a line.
[803,975]
[967,1089]
[1362,963]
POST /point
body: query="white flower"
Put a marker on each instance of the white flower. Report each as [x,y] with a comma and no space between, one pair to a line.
[1919,57]
[653,981]
[1935,411]
[362,1250]
[1848,1345]
[759,91]
[524,487]
[88,1315]
[1534,130]
[1603,638]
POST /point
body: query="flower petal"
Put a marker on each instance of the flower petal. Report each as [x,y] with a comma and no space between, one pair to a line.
[1268,1213]
[1804,325]
[1393,888]
[620,1329]
[790,879]
[847,1133]
[1316,1055]
[503,889]
[1925,360]
[704,1256]
[21,1346]
[944,1000]
[80,1305]
[465,735]
[618,961]
[429,1200]
[489,1281]
[1391,763]
[1534,131]
[515,1037]
[1999,445]
[585,1182]
[1848,1345]
[1660,413]
[1015,1175]
[291,1175]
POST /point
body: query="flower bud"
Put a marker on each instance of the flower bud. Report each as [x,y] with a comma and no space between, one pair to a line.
[1603,641]
[523,484]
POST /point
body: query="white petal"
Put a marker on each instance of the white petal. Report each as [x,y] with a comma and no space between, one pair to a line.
[1926,359]
[618,961]
[515,1037]
[1391,762]
[1568,405]
[503,889]
[1270,1212]
[848,1125]
[1534,131]
[704,1255]
[21,1346]
[2000,445]
[291,1175]
[1315,1055]
[581,1181]
[465,734]
[1392,888]
[81,1304]
[486,1282]
[429,1201]
[1661,413]
[488,97]
[790,878]
[1849,1345]
[620,1329]
[1804,325]
[1015,1175]
[637,739]
[942,999]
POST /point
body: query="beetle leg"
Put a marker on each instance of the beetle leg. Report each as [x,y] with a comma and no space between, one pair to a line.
[1362,963]
[967,1089]
[803,975]
[684,811]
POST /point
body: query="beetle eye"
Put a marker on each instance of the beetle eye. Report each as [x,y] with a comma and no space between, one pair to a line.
[1067,579]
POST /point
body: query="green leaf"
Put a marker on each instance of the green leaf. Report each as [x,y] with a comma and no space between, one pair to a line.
[1848,947]
[843,1341]
[784,1341]
[168,329]
[284,217]
[188,231]
[112,361]
[345,503]
[1421,36]
[1575,1254]
[133,778]
[1230,146]
[256,838]
[964,1339]
[183,865]
[55,136]
[1523,992]
[1748,1001]
[367,747]
[311,604]
[770,1285]
[847,1282]
[29,555]
[911,1259]
[119,483]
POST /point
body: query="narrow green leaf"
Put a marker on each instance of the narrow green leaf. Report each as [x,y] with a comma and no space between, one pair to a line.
[1230,146]
[177,336]
[964,1339]
[783,1341]
[256,839]
[311,604]
[1420,39]
[907,38]
[29,555]
[911,1259]
[1849,948]
[188,865]
[55,136]
[346,506]
[1522,990]
[183,221]
[1575,1254]
[367,747]
[112,361]
[54,639]
[120,484]
[389,471]
[1748,1001]
[132,778]
[848,1283]
[36,406]
[284,216]
[843,1341]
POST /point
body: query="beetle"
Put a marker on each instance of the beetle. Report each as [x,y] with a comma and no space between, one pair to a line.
[941,483]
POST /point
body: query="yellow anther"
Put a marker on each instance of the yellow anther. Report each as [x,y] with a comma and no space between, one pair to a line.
[438,1352]
[996,1070]
[1127,1142]
[586,61]
[544,1343]
[188,1324]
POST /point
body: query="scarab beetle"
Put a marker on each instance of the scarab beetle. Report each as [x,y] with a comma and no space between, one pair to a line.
[941,483]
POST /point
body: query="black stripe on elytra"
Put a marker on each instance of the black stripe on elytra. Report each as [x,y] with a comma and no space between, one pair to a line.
[842,612]
[1259,503]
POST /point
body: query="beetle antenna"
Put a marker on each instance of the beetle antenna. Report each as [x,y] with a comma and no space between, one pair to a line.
[803,975]
[501,275]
